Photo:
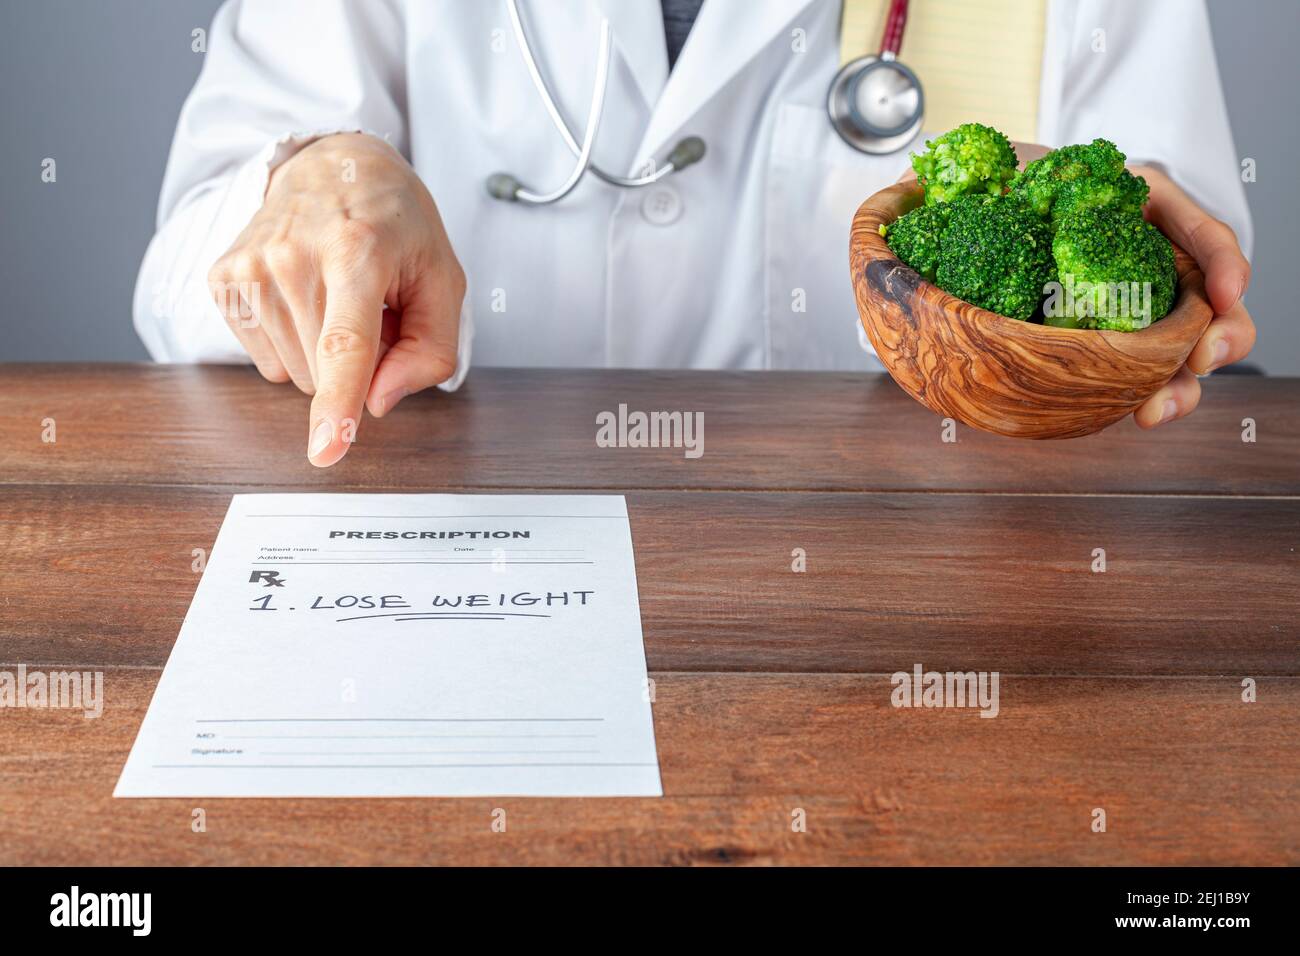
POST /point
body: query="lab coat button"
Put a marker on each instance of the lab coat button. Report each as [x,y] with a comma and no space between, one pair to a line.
[662,206]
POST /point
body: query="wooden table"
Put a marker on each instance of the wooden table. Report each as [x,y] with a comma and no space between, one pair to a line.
[1120,690]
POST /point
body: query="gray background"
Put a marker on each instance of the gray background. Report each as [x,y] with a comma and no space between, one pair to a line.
[98,85]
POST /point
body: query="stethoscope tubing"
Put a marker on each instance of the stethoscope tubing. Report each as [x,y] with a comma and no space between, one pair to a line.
[891,42]
[505,186]
[690,150]
[544,90]
[589,139]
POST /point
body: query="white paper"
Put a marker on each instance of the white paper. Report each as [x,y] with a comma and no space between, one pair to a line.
[462,645]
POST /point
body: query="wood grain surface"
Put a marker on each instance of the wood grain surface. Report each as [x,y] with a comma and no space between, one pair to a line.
[1186,773]
[1120,690]
[1014,378]
[957,582]
[511,429]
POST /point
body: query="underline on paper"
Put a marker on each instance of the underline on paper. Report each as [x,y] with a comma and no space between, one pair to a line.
[443,615]
[397,720]
[438,617]
[434,617]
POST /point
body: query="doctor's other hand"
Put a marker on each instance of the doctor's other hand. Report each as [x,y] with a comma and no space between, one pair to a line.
[351,286]
[1231,333]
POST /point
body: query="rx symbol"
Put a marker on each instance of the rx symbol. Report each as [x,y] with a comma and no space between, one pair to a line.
[272,578]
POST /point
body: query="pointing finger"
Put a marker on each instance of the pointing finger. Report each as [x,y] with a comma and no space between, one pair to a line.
[345,357]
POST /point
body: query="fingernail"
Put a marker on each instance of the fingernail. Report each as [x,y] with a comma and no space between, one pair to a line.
[1169,410]
[392,398]
[1218,354]
[321,437]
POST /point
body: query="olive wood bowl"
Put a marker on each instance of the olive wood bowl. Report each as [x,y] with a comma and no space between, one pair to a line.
[999,374]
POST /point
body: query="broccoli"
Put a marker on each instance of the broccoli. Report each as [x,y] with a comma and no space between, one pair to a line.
[1078,177]
[997,254]
[914,237]
[1117,272]
[969,159]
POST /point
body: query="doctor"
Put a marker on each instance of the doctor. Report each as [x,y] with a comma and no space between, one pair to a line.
[330,209]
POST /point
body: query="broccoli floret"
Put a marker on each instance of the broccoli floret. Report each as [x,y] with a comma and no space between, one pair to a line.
[969,159]
[997,254]
[1117,272]
[1078,177]
[914,237]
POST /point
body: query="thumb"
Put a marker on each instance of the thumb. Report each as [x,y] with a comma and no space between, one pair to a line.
[428,336]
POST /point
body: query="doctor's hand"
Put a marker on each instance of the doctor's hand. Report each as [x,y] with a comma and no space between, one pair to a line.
[355,289]
[1231,333]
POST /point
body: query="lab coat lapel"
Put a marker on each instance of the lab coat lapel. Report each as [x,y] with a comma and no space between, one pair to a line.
[638,30]
[726,36]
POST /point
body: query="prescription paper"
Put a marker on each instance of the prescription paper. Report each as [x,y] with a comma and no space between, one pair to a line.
[407,645]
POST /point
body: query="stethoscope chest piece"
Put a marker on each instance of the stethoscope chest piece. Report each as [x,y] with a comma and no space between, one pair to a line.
[876,104]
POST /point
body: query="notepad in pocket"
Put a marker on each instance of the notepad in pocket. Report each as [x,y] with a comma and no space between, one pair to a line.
[979,61]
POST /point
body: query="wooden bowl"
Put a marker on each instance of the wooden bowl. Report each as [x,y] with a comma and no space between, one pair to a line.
[991,372]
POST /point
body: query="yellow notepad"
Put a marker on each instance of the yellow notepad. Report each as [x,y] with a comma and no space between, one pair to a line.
[978,60]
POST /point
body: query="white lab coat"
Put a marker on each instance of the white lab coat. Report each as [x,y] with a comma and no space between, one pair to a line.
[737,262]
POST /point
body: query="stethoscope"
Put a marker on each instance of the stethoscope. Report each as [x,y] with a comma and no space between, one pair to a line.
[875,104]
[505,186]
